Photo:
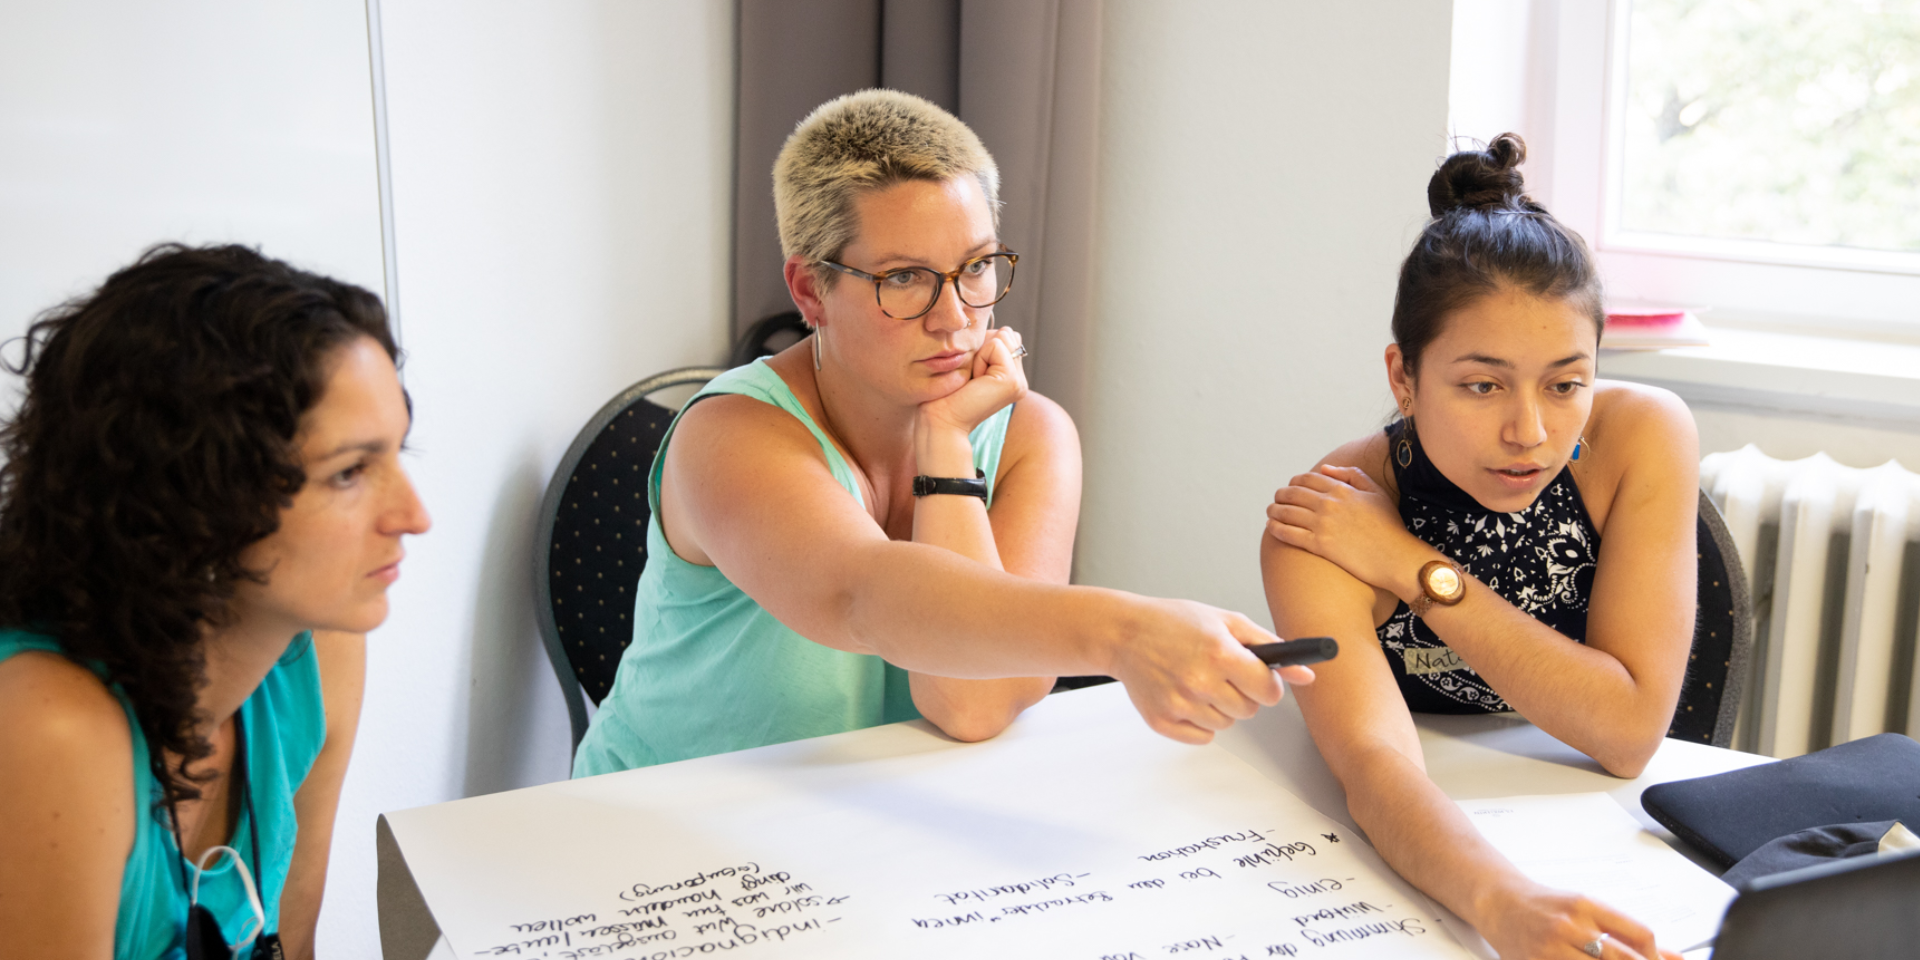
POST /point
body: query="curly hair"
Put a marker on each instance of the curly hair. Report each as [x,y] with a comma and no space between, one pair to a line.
[155,443]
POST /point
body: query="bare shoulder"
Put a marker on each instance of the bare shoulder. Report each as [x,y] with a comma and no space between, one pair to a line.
[722,416]
[1645,452]
[723,435]
[1368,452]
[53,707]
[728,452]
[68,806]
[1309,594]
[65,742]
[728,420]
[1037,411]
[1635,413]
[1038,424]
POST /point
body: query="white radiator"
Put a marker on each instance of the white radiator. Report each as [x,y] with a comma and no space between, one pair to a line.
[1831,557]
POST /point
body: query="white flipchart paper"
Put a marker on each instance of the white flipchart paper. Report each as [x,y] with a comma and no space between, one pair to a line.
[1079,833]
[1585,843]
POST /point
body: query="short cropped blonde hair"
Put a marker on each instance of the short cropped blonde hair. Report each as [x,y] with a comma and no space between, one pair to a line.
[866,141]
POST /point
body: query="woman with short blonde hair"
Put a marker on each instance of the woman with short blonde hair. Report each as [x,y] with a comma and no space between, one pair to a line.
[857,144]
[877,523]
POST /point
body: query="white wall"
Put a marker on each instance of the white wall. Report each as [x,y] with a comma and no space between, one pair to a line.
[1498,82]
[122,125]
[562,178]
[1264,171]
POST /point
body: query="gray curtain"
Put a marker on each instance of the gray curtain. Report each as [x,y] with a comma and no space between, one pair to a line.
[1025,74]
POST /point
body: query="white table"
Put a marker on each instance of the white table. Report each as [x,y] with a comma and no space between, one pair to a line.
[1469,757]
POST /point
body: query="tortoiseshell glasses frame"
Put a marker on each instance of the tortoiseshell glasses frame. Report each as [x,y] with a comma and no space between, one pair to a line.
[897,291]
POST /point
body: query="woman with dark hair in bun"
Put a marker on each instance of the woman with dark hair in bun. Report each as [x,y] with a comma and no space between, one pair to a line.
[1521,538]
[201,510]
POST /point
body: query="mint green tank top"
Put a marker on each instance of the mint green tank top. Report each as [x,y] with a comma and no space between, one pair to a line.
[286,725]
[709,671]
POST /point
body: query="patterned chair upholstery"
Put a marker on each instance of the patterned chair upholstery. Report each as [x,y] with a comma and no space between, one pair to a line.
[592,540]
[1722,638]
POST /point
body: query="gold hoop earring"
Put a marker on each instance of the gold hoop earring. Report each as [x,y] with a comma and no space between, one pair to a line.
[1403,451]
[815,337]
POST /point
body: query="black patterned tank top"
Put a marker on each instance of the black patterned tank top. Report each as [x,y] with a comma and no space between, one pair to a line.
[1540,559]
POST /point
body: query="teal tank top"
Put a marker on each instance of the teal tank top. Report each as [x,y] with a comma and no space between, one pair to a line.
[709,671]
[286,724]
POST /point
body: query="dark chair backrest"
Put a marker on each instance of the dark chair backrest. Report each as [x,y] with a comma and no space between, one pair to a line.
[769,336]
[1722,638]
[591,544]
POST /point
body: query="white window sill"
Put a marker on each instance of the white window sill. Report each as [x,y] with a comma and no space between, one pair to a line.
[1868,382]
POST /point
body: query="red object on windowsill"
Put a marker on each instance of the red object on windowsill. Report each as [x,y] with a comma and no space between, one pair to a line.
[1652,329]
[1648,321]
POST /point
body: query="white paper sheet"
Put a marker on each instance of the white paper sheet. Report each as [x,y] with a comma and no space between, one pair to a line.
[1585,843]
[1094,841]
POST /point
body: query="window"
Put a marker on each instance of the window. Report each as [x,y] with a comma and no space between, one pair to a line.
[1786,130]
[1758,158]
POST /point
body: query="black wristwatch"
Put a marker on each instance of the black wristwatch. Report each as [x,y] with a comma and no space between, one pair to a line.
[959,486]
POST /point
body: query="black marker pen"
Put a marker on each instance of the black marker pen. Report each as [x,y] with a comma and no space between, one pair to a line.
[1295,653]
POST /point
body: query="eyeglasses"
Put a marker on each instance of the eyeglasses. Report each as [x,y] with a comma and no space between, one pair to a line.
[908,293]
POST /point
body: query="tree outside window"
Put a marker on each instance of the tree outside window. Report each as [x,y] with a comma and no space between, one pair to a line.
[1789,121]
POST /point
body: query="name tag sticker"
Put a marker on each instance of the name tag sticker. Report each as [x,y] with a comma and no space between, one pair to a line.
[1422,661]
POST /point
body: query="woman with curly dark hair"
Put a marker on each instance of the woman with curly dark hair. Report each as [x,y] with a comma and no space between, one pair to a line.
[200,513]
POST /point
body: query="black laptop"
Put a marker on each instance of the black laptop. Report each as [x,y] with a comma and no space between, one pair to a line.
[1863,908]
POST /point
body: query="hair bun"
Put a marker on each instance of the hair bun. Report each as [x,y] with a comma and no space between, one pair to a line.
[1481,179]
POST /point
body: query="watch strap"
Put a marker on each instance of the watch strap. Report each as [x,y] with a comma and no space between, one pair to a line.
[975,486]
[1421,603]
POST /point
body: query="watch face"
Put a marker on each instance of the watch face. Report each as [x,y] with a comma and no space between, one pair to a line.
[1444,583]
